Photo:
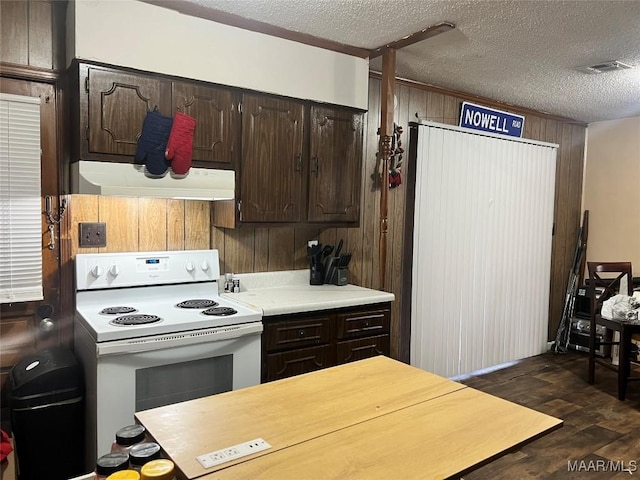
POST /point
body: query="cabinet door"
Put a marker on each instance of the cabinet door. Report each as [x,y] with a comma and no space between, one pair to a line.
[217,120]
[116,104]
[336,156]
[362,323]
[297,362]
[271,184]
[296,333]
[353,350]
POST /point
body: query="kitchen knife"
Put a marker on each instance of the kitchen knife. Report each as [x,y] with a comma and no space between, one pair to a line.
[345,258]
[339,248]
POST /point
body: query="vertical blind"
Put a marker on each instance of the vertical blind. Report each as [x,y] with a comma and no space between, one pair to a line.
[482,249]
[20,205]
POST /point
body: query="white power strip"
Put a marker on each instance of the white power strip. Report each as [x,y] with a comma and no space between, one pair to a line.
[212,459]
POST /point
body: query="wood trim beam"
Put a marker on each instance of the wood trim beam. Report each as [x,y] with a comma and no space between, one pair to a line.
[387,96]
[199,11]
[24,72]
[416,37]
[478,99]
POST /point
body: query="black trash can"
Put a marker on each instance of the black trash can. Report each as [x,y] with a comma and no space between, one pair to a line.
[46,403]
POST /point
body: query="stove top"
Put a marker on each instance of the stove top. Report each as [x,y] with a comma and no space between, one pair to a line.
[131,295]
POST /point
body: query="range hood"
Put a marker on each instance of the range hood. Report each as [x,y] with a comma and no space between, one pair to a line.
[130,180]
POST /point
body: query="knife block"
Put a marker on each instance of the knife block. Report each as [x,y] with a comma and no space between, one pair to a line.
[331,271]
[342,277]
[336,275]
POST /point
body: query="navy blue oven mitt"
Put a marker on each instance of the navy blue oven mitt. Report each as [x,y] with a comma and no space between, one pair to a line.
[153,142]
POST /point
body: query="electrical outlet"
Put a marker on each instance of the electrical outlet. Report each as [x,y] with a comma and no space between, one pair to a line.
[93,234]
[228,454]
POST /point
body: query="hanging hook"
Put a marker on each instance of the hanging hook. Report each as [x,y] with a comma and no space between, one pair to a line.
[52,218]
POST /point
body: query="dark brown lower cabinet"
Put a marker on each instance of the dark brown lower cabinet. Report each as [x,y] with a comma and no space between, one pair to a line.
[353,350]
[296,362]
[304,342]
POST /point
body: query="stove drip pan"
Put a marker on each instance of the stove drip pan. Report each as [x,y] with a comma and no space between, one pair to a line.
[197,303]
[117,310]
[137,319]
[219,311]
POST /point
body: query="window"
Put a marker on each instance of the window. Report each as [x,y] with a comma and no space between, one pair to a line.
[20,204]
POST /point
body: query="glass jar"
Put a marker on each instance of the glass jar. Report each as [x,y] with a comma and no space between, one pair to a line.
[111,463]
[161,469]
[124,475]
[143,453]
[127,437]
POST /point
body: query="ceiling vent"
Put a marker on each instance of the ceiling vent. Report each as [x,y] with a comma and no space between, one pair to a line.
[606,67]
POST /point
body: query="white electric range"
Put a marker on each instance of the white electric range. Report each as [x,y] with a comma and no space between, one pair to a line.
[151,330]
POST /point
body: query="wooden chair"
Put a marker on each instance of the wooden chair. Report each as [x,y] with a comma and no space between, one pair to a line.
[604,282]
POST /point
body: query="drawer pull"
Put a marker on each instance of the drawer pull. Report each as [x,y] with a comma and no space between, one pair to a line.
[301,333]
[367,323]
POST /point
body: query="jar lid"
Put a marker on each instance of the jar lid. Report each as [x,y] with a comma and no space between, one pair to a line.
[144,452]
[124,475]
[161,469]
[112,462]
[130,434]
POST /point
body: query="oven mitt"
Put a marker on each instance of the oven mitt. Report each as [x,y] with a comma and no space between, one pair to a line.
[180,145]
[153,142]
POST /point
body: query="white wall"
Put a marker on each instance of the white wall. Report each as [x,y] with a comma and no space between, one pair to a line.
[147,37]
[612,191]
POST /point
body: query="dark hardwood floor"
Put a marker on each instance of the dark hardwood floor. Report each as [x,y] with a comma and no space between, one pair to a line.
[598,428]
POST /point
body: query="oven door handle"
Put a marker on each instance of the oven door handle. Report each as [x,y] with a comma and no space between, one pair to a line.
[179,339]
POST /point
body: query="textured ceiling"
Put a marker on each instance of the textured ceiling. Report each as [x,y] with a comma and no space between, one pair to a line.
[521,52]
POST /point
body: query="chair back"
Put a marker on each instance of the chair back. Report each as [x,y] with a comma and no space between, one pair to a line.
[607,276]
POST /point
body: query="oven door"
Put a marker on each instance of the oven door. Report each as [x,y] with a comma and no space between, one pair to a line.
[126,376]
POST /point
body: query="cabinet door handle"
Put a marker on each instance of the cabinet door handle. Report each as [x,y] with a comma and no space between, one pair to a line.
[298,163]
[315,167]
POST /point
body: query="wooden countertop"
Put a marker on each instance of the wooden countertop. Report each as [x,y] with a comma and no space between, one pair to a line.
[376,418]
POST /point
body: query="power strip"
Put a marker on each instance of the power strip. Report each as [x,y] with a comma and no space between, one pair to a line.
[233,452]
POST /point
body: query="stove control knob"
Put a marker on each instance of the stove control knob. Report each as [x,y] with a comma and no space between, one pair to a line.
[190,267]
[204,266]
[97,271]
[114,270]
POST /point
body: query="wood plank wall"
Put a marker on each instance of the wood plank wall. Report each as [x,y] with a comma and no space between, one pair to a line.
[155,224]
[142,224]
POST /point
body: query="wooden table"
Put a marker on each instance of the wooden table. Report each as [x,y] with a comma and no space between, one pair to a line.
[376,418]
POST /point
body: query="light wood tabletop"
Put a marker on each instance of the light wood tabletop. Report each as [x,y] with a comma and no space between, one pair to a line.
[376,418]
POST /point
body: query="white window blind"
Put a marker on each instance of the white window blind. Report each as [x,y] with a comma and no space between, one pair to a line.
[20,204]
[482,249]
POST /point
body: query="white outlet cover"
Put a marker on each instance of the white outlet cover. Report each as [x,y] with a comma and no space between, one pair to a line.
[233,452]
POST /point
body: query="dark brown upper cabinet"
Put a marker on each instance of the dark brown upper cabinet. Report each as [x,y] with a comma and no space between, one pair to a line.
[336,157]
[217,120]
[300,163]
[32,35]
[272,176]
[112,105]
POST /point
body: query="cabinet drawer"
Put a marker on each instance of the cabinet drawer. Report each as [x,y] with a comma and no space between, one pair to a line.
[353,350]
[362,323]
[296,362]
[290,334]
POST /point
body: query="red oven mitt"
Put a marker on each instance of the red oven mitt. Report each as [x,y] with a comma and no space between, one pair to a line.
[5,446]
[180,145]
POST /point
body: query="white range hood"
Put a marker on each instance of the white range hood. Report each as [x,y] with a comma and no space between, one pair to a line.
[130,180]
